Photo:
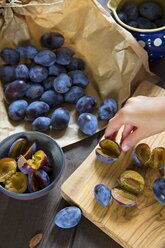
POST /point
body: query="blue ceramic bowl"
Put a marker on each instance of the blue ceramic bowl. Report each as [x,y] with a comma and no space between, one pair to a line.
[152,40]
[52,150]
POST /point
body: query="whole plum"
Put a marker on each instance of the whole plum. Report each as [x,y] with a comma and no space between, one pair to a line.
[76,64]
[27,51]
[74,94]
[144,23]
[78,78]
[17,109]
[34,90]
[150,10]
[131,10]
[60,118]
[87,123]
[15,90]
[48,83]
[160,22]
[41,124]
[22,72]
[133,24]
[52,40]
[10,56]
[45,58]
[102,194]
[36,109]
[107,109]
[7,73]
[62,83]
[64,55]
[56,69]
[86,104]
[38,73]
[159,190]
[52,98]
[122,16]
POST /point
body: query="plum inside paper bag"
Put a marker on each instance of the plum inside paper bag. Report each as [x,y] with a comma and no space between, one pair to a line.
[115,62]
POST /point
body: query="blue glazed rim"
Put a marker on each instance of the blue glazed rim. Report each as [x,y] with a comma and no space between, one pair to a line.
[40,193]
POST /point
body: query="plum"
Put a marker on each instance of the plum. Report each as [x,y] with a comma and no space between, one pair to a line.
[76,64]
[131,10]
[107,109]
[41,124]
[144,23]
[30,150]
[60,118]
[27,51]
[18,147]
[141,154]
[17,183]
[52,40]
[159,190]
[45,58]
[62,83]
[68,217]
[150,10]
[10,56]
[15,90]
[74,94]
[52,98]
[34,90]
[8,167]
[22,72]
[133,24]
[86,104]
[123,197]
[38,73]
[36,109]
[7,73]
[122,16]
[87,123]
[64,55]
[160,22]
[56,69]
[17,110]
[102,194]
[48,83]
[38,180]
[78,78]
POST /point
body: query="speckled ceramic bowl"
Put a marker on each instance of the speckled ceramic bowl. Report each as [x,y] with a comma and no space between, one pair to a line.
[152,40]
[52,150]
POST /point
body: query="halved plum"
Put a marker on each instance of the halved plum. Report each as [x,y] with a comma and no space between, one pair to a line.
[18,147]
[157,158]
[8,167]
[38,180]
[30,151]
[123,197]
[17,183]
[141,154]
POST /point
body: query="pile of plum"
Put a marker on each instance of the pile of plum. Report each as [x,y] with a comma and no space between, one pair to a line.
[147,15]
[40,89]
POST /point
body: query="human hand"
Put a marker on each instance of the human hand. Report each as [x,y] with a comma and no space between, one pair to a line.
[141,116]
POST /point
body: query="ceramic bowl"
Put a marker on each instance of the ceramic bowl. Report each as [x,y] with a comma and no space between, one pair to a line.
[53,152]
[152,40]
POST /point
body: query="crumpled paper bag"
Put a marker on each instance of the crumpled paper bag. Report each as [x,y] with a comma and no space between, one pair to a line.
[115,61]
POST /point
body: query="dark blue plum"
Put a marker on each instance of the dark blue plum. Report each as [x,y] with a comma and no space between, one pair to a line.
[41,124]
[56,69]
[159,190]
[38,180]
[38,73]
[10,56]
[62,83]
[150,10]
[64,55]
[102,194]
[34,90]
[76,64]
[160,22]
[17,110]
[131,10]
[7,73]
[74,94]
[45,58]
[36,109]
[87,123]
[52,40]
[78,78]
[122,16]
[22,72]
[133,24]
[86,104]
[60,118]
[48,83]
[15,90]
[52,98]
[107,109]
[27,51]
[68,217]
[144,23]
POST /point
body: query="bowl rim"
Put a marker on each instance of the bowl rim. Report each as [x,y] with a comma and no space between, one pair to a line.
[42,192]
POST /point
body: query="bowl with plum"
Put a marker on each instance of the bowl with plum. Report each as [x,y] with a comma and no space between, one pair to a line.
[30,165]
[145,19]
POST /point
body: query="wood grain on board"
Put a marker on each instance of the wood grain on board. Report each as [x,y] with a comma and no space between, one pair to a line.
[136,227]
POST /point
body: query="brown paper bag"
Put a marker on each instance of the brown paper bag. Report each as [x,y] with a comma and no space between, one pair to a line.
[115,61]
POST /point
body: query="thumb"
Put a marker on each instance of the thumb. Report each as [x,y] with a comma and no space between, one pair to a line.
[131,140]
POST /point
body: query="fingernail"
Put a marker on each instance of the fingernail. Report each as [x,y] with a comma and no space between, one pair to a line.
[125,148]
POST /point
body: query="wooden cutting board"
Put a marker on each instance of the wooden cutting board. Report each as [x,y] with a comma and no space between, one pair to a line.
[142,226]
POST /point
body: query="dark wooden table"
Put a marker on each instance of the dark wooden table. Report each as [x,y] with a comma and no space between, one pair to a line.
[21,220]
